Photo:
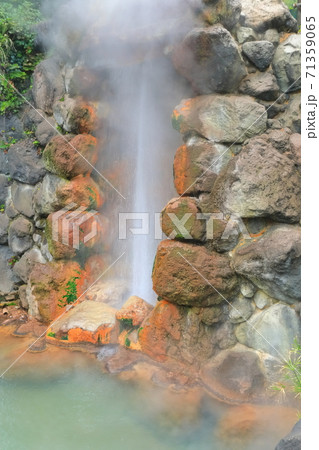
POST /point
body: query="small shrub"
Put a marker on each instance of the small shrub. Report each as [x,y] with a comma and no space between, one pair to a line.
[51,334]
[71,292]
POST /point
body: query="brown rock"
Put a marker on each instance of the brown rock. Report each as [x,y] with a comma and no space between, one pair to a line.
[134,311]
[75,115]
[81,190]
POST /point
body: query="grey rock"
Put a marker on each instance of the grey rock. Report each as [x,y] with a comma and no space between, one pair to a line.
[11,127]
[20,235]
[262,300]
[22,198]
[4,163]
[272,262]
[24,266]
[24,163]
[62,112]
[45,131]
[259,182]
[293,440]
[272,331]
[11,212]
[291,117]
[261,15]
[272,36]
[45,198]
[287,64]
[224,335]
[23,296]
[210,60]
[32,117]
[222,119]
[246,34]
[211,315]
[8,279]
[226,12]
[4,186]
[260,53]
[240,310]
[260,85]
[4,225]
[48,85]
[247,289]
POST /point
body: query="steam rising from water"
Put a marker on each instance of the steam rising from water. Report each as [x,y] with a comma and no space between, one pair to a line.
[127,44]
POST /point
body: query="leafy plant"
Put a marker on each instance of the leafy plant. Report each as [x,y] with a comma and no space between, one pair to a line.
[13,260]
[2,208]
[51,334]
[291,370]
[71,292]
[127,342]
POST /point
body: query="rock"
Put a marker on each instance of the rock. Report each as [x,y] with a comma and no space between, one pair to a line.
[211,315]
[176,279]
[11,127]
[291,117]
[23,296]
[69,156]
[31,117]
[287,64]
[45,131]
[122,360]
[274,193]
[87,322]
[4,186]
[247,289]
[23,267]
[260,53]
[81,190]
[272,331]
[295,148]
[261,15]
[222,234]
[224,336]
[75,115]
[4,225]
[272,36]
[225,119]
[246,34]
[24,163]
[240,310]
[226,12]
[262,300]
[210,60]
[45,197]
[293,440]
[20,235]
[22,198]
[133,312]
[279,139]
[179,219]
[46,287]
[237,373]
[48,85]
[260,85]
[197,164]
[8,279]
[272,262]
[84,82]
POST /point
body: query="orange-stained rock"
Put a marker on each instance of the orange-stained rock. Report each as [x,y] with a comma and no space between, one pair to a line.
[76,115]
[48,285]
[179,219]
[81,190]
[161,327]
[101,336]
[134,311]
[191,275]
[69,156]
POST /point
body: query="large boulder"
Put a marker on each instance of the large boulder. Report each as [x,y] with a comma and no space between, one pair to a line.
[272,262]
[191,275]
[260,85]
[226,12]
[259,182]
[45,131]
[23,267]
[20,235]
[48,84]
[69,156]
[134,311]
[25,163]
[8,279]
[225,119]
[45,198]
[210,60]
[272,330]
[261,15]
[197,164]
[75,115]
[287,63]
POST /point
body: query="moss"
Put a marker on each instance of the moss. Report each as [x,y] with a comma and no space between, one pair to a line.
[127,342]
[177,122]
[51,334]
[65,338]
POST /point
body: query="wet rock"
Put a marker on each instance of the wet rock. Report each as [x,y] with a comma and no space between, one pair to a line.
[272,262]
[240,310]
[123,360]
[176,277]
[8,279]
[20,235]
[274,192]
[84,82]
[23,267]
[24,163]
[260,53]
[67,156]
[226,12]
[22,198]
[261,15]
[225,119]
[48,85]
[246,34]
[247,289]
[262,300]
[179,219]
[75,116]
[261,85]
[197,164]
[4,226]
[45,131]
[293,440]
[287,64]
[133,312]
[210,60]
[81,190]
[272,331]
[4,186]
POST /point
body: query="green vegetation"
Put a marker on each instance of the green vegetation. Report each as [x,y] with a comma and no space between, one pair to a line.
[18,53]
[291,370]
[127,342]
[51,334]
[71,292]
[2,208]
[65,338]
[13,260]
[290,4]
